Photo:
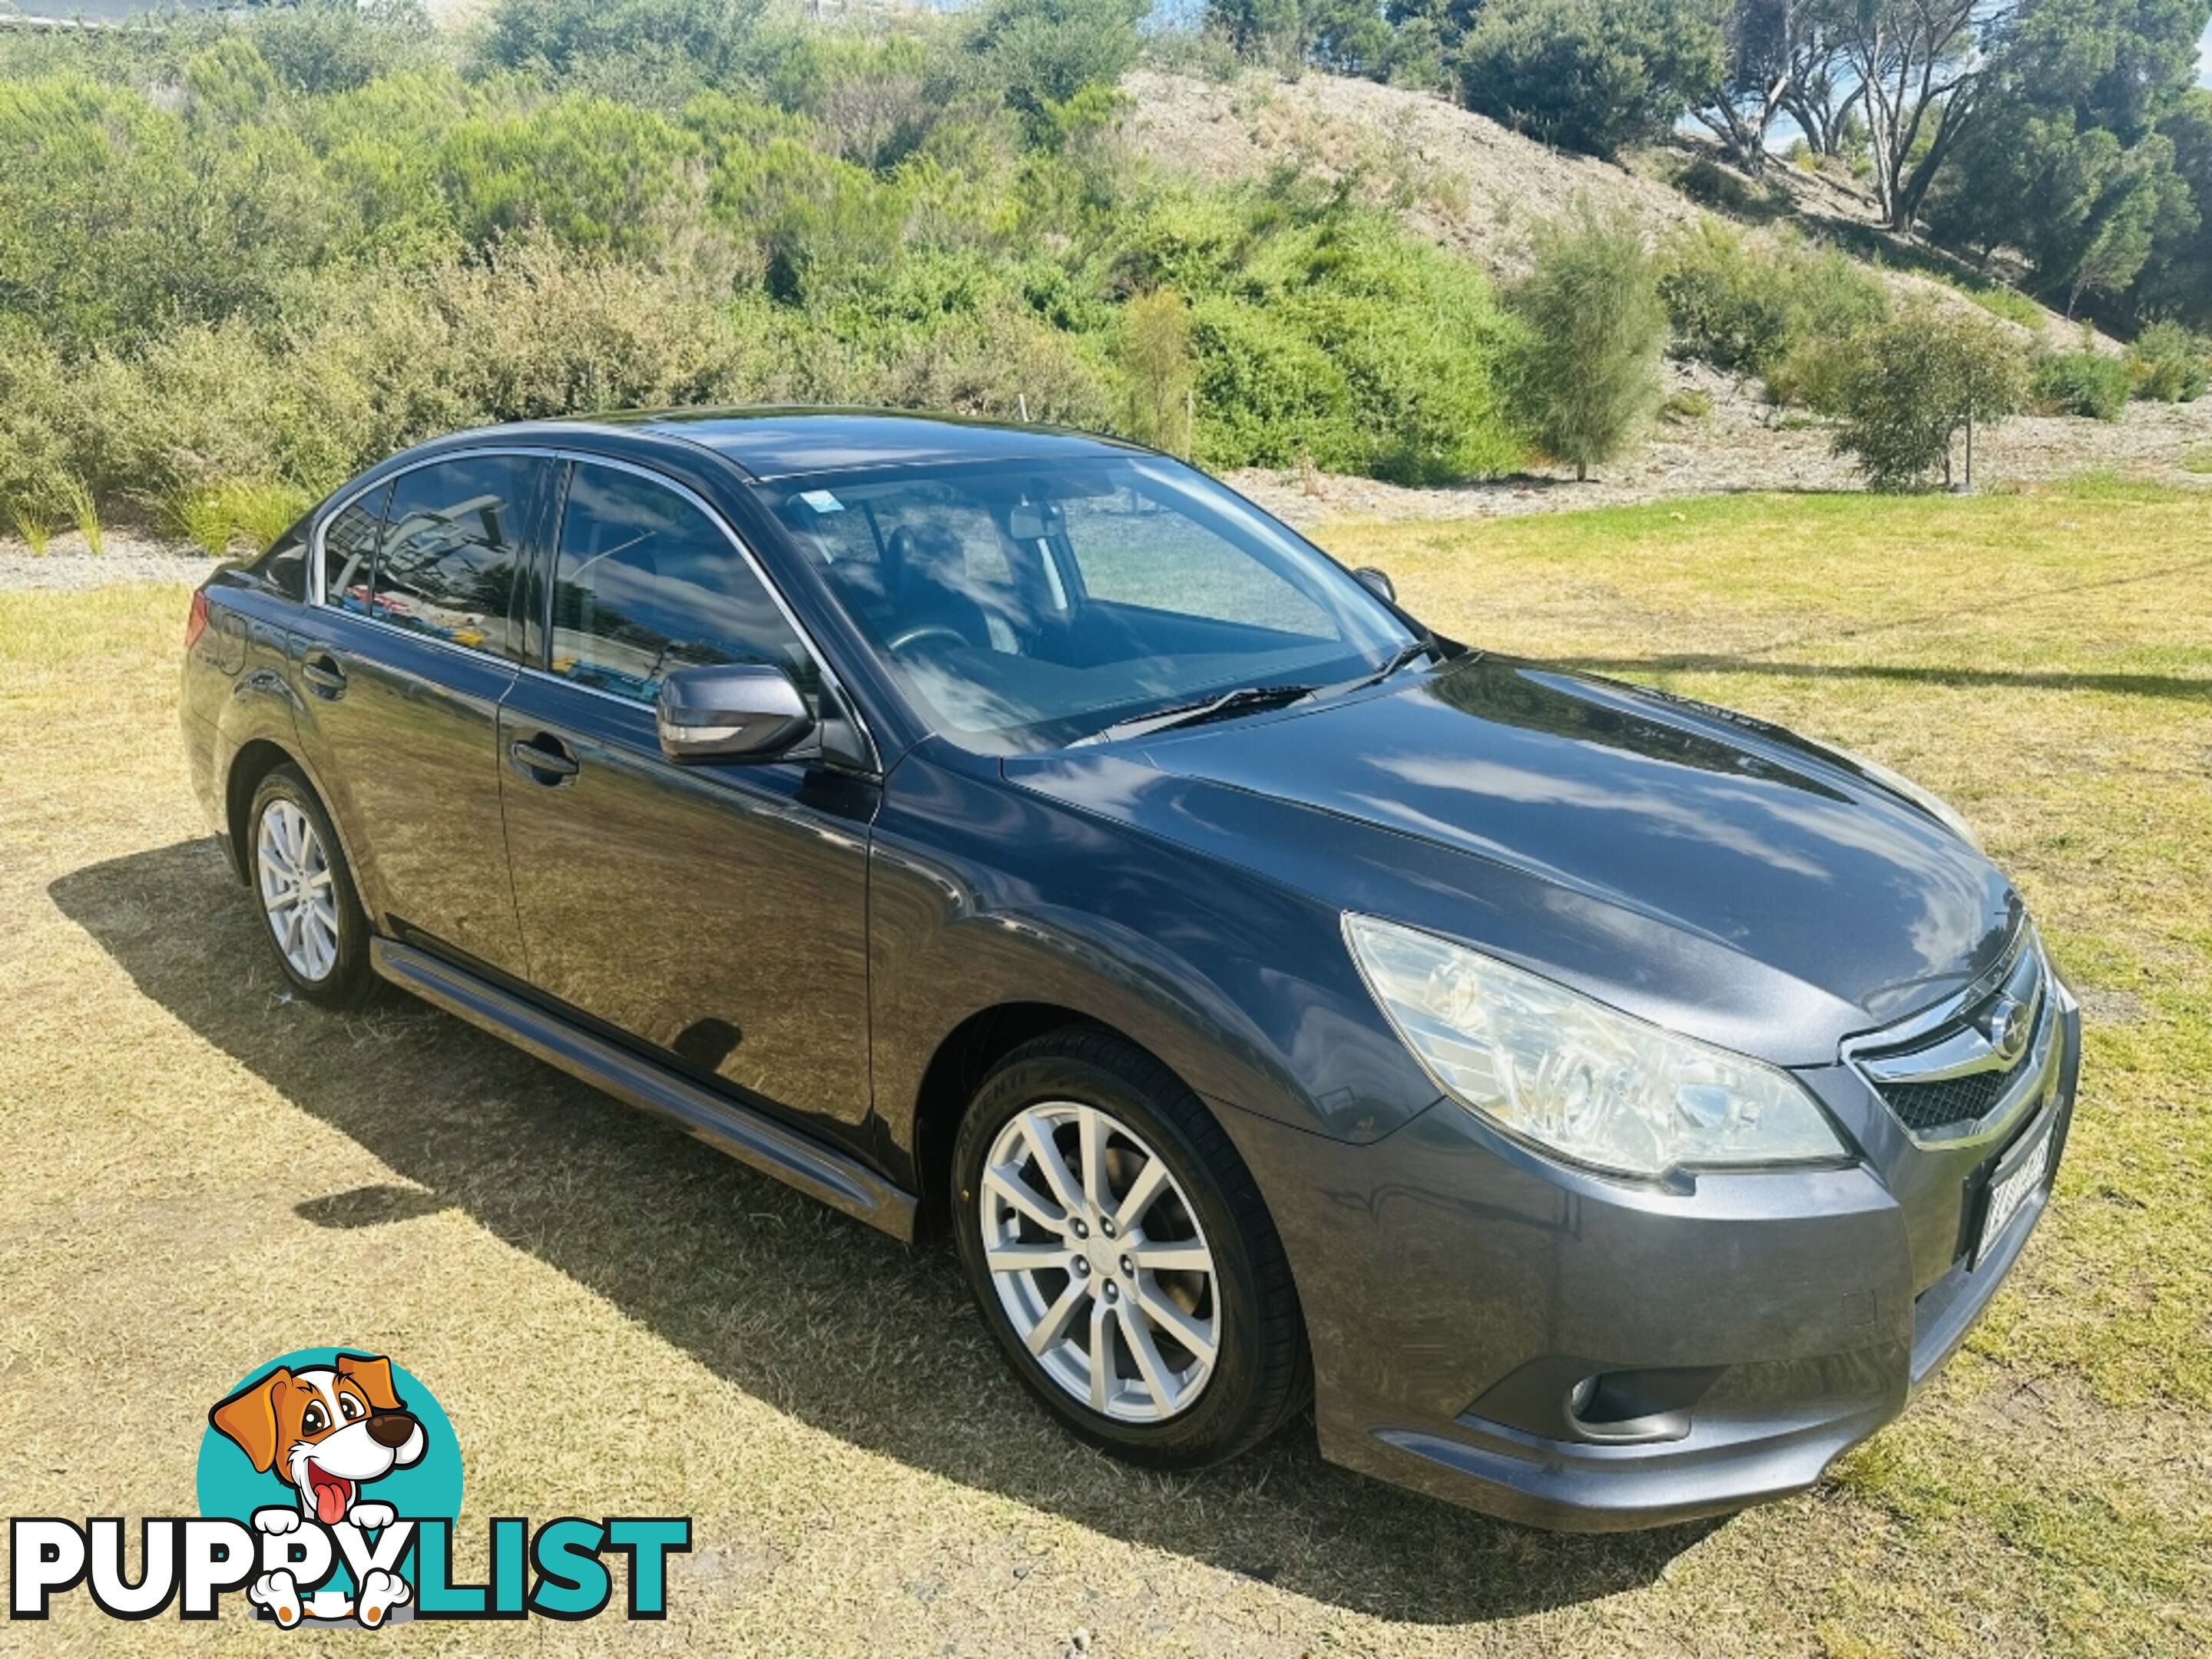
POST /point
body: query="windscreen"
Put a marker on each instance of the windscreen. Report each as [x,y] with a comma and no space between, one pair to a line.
[1040,606]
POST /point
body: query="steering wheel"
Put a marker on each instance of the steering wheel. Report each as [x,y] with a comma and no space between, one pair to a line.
[921,631]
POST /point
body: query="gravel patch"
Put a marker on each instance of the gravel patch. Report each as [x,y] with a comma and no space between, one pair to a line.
[125,556]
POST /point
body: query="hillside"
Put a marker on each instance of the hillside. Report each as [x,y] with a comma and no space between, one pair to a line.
[1467,184]
[1461,179]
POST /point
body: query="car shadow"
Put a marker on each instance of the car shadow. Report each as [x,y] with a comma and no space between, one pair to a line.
[808,1310]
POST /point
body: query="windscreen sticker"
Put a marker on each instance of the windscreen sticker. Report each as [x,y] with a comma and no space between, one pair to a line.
[821,500]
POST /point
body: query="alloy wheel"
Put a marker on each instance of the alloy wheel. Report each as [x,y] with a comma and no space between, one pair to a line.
[297,891]
[1099,1262]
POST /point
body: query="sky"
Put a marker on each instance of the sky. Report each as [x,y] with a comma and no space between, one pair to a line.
[2205,57]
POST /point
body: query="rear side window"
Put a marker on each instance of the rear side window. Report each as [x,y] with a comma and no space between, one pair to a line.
[456,540]
[646,584]
[283,566]
[350,550]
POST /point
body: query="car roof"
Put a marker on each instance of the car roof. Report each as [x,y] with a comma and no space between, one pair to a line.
[783,443]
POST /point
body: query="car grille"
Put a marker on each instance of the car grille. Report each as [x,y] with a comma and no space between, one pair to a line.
[1922,1106]
[1950,1071]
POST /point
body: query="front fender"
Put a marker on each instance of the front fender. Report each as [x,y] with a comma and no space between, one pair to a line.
[982,895]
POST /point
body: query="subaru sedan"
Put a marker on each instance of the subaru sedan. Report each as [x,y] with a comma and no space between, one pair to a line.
[1600,1109]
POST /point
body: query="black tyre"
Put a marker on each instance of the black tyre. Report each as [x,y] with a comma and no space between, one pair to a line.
[1121,1254]
[306,891]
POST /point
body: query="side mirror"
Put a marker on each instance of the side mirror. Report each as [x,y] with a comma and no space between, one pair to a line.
[730,712]
[1376,582]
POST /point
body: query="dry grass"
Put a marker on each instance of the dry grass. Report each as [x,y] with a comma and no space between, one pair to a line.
[202,1173]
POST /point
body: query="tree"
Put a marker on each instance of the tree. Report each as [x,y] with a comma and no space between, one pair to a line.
[1039,54]
[2066,162]
[1908,385]
[1588,75]
[1918,65]
[2176,280]
[1777,56]
[1588,369]
[1345,36]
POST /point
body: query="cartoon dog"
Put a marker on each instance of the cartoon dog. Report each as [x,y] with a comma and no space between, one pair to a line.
[328,1430]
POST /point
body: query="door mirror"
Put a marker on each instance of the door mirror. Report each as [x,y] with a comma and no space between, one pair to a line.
[1376,582]
[730,712]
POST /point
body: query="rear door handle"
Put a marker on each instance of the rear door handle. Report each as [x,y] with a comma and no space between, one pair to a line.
[542,759]
[322,671]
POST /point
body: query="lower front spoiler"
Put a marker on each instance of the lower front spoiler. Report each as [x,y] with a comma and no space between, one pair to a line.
[1746,1447]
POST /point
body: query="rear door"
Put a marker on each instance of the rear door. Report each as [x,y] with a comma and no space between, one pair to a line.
[716,913]
[400,669]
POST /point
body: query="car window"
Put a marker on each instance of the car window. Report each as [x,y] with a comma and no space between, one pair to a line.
[350,549]
[1039,607]
[646,584]
[284,564]
[1135,550]
[456,535]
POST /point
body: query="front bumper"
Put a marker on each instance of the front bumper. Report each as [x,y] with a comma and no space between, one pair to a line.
[1456,1286]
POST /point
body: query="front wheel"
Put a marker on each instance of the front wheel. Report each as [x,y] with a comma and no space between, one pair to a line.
[306,893]
[1123,1257]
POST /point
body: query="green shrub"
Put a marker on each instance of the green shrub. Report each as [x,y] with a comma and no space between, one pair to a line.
[1690,403]
[1156,368]
[1910,384]
[1040,54]
[1744,306]
[689,42]
[84,513]
[1811,374]
[1709,183]
[1267,396]
[1588,372]
[2169,364]
[2008,303]
[1588,75]
[216,517]
[324,46]
[36,446]
[32,527]
[2087,383]
[593,172]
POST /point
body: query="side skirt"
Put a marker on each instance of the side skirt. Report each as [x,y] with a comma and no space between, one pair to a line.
[749,1136]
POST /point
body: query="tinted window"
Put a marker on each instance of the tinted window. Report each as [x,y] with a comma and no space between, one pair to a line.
[647,584]
[350,549]
[455,541]
[1041,606]
[1135,550]
[283,565]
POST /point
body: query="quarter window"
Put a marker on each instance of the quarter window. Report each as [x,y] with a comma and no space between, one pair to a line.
[350,549]
[647,584]
[454,546]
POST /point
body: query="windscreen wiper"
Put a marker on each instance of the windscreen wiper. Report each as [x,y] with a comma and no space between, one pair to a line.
[1405,655]
[1246,699]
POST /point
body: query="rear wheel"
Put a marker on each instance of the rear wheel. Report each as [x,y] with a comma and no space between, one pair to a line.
[315,919]
[1122,1256]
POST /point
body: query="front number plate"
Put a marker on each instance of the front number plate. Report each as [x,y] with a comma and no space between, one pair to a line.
[2016,1181]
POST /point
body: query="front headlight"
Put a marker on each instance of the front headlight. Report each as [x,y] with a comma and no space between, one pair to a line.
[1552,1067]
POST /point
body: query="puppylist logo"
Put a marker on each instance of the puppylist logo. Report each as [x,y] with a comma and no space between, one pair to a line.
[330,1483]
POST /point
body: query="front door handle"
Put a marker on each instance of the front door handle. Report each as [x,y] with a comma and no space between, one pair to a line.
[542,759]
[322,673]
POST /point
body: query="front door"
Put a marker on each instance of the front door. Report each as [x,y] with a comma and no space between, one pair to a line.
[399,672]
[715,913]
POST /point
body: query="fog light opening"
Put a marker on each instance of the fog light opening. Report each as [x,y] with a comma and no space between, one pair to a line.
[1618,1407]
